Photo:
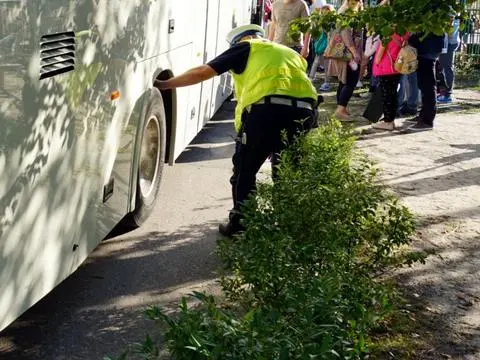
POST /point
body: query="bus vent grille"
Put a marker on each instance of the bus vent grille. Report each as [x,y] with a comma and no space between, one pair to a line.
[57,54]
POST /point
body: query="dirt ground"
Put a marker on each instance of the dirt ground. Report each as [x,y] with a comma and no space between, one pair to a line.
[437,175]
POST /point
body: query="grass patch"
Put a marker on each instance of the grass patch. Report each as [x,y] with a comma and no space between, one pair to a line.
[400,336]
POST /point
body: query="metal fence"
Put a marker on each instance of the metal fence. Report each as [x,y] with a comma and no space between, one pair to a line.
[471,31]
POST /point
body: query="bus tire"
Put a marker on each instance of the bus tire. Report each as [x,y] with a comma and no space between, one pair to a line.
[151,158]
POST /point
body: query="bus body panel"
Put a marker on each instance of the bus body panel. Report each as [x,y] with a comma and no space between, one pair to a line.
[196,15]
[207,106]
[67,140]
[48,181]
[228,19]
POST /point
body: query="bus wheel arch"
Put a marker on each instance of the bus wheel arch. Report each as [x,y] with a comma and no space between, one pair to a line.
[170,104]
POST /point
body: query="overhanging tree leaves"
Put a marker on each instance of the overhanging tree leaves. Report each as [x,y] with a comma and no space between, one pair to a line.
[425,16]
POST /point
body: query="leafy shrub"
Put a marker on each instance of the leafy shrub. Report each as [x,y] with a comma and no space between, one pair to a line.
[302,279]
[326,209]
[467,69]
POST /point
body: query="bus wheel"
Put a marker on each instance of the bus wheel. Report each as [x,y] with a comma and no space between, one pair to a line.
[151,159]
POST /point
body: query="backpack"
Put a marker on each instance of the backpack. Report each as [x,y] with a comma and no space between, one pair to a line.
[407,60]
[320,44]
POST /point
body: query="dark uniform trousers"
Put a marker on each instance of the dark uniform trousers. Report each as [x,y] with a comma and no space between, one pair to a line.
[262,135]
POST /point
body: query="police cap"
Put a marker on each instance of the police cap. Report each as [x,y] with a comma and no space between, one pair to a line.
[235,35]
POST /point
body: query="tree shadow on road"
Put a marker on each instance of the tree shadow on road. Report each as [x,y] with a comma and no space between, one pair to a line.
[105,297]
[444,182]
[445,292]
[437,183]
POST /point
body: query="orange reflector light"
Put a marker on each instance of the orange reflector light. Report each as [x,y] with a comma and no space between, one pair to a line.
[115,95]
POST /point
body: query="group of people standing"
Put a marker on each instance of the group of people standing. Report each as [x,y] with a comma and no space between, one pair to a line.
[400,93]
[433,78]
[423,80]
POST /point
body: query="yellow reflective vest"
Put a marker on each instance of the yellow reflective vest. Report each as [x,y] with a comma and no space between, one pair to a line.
[272,69]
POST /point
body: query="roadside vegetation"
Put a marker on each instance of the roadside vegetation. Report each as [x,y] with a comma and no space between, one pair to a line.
[306,280]
[467,71]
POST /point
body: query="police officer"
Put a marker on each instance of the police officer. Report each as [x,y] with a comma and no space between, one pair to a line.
[274,96]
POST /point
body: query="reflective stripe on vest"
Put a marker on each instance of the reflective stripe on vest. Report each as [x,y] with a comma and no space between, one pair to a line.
[272,69]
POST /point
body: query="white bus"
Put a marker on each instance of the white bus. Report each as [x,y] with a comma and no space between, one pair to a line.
[83,135]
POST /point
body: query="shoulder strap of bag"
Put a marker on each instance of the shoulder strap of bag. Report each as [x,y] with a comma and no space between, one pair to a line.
[391,60]
[402,44]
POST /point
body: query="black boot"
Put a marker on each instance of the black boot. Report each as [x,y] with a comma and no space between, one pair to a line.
[228,229]
[233,226]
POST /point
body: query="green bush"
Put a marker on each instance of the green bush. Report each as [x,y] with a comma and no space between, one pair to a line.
[467,69]
[327,213]
[302,281]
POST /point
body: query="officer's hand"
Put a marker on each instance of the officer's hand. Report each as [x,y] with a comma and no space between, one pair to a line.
[159,84]
[305,51]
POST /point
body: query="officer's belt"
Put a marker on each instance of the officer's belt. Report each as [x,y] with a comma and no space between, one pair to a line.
[284,101]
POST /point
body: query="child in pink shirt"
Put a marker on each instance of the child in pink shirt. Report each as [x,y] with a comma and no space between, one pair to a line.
[383,68]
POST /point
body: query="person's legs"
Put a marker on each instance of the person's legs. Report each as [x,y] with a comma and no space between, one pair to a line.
[341,111]
[292,122]
[447,61]
[413,91]
[314,69]
[260,136]
[427,85]
[374,83]
[402,91]
[339,90]
[346,92]
[326,85]
[439,76]
[374,80]
[253,146]
[389,85]
[311,56]
[325,62]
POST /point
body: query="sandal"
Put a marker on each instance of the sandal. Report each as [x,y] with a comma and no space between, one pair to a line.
[342,117]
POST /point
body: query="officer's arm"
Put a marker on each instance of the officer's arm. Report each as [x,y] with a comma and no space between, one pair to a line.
[190,77]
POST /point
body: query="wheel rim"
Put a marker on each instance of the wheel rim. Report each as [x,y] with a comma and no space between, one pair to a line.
[149,156]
